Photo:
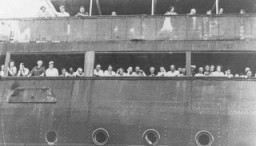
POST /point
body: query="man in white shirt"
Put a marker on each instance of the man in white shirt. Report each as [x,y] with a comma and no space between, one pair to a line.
[218,72]
[138,72]
[109,72]
[23,71]
[200,72]
[51,71]
[97,71]
[162,72]
[173,72]
[79,72]
[62,12]
[129,71]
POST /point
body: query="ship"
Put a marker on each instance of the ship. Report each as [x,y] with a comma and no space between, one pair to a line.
[129,111]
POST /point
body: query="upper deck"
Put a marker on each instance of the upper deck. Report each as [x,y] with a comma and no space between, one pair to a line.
[130,28]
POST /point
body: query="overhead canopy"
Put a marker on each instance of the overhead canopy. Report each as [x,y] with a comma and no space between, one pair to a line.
[134,7]
[24,8]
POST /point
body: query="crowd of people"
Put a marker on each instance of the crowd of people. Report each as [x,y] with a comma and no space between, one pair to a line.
[51,71]
[193,11]
[43,12]
[207,71]
[39,70]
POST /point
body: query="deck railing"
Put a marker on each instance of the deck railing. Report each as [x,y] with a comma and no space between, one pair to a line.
[125,28]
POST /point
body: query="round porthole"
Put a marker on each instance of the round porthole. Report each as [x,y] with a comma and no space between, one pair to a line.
[151,137]
[100,136]
[51,137]
[204,138]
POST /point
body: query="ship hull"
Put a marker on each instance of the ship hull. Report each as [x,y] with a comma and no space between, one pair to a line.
[177,108]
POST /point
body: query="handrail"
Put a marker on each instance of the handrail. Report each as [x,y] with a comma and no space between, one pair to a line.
[129,16]
[131,78]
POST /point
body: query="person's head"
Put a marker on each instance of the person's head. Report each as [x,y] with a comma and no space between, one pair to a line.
[62,9]
[247,69]
[71,70]
[51,64]
[193,67]
[162,69]
[120,71]
[228,72]
[152,70]
[110,68]
[2,67]
[129,69]
[183,71]
[172,8]
[212,68]
[113,13]
[80,70]
[63,71]
[21,65]
[98,67]
[172,67]
[221,11]
[207,68]
[200,70]
[82,9]
[12,63]
[39,63]
[218,68]
[209,12]
[43,8]
[242,11]
[193,11]
[137,69]
[249,74]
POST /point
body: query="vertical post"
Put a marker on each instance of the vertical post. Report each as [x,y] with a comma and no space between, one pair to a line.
[90,8]
[98,7]
[6,63]
[89,59]
[152,7]
[188,63]
[217,7]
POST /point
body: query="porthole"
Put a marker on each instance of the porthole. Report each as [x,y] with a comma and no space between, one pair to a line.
[51,137]
[100,136]
[151,137]
[204,138]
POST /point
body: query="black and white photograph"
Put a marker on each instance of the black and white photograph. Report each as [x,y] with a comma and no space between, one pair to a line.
[128,73]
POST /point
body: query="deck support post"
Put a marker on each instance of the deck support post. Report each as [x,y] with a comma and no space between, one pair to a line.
[89,59]
[188,63]
[6,63]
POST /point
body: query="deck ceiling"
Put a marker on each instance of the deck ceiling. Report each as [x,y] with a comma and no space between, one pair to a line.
[131,7]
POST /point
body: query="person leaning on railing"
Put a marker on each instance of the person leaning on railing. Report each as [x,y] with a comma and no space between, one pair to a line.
[43,13]
[171,11]
[2,70]
[82,12]
[12,69]
[23,71]
[64,73]
[97,71]
[62,12]
[51,71]
[38,70]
